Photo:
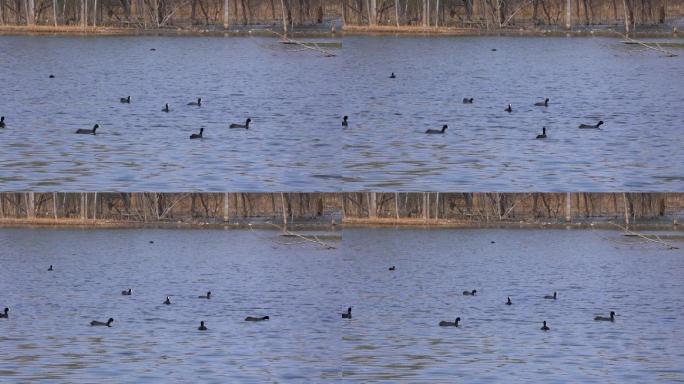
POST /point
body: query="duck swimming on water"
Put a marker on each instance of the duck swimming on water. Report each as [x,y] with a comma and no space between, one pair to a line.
[543,134]
[470,293]
[2,121]
[50,268]
[202,327]
[166,108]
[449,323]
[197,103]
[552,297]
[245,125]
[392,76]
[602,318]
[127,293]
[467,100]
[101,324]
[167,301]
[207,296]
[392,268]
[125,100]
[250,318]
[589,126]
[345,123]
[437,131]
[509,302]
[509,109]
[545,327]
[197,135]
[5,315]
[88,131]
[544,103]
[348,314]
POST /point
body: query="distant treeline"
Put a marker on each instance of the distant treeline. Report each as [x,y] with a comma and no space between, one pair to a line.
[350,207]
[480,14]
[492,14]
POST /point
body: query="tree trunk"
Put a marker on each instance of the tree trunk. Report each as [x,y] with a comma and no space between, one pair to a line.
[54,11]
[368,11]
[2,15]
[436,13]
[225,13]
[94,13]
[30,12]
[282,6]
[396,11]
[624,5]
[373,12]
[344,12]
[568,14]
[245,21]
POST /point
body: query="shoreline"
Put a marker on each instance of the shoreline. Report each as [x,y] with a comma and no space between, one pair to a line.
[348,30]
[348,209]
[332,227]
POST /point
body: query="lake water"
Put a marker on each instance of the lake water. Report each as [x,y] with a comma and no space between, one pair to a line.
[296,100]
[393,335]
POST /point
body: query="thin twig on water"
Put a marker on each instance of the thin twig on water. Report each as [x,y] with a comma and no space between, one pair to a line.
[657,48]
[658,240]
[325,52]
[315,240]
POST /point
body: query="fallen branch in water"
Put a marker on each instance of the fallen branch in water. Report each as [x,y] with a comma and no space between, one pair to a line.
[656,48]
[315,239]
[656,240]
[315,47]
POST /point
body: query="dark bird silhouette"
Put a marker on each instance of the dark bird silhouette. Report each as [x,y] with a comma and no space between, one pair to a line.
[207,296]
[393,76]
[166,108]
[449,323]
[544,327]
[552,297]
[392,268]
[126,100]
[197,135]
[88,131]
[2,121]
[544,103]
[99,323]
[437,131]
[347,315]
[589,126]
[543,134]
[5,315]
[202,327]
[509,109]
[345,123]
[197,103]
[509,302]
[250,318]
[52,76]
[602,318]
[167,301]
[470,293]
[127,293]
[245,125]
[467,100]
[50,268]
